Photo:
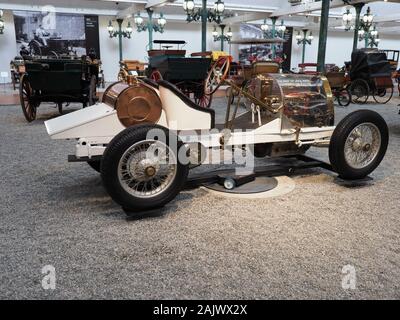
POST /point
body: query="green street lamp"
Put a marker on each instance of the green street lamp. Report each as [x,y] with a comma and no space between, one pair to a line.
[1,22]
[150,26]
[370,36]
[222,37]
[304,39]
[204,14]
[120,33]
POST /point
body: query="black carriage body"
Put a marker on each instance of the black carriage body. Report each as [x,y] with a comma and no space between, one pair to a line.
[60,81]
[372,66]
[177,69]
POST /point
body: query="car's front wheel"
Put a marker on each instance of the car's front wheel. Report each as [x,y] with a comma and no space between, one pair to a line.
[141,169]
[358,144]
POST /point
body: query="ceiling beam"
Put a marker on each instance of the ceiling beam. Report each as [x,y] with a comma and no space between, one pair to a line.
[247,17]
[312,6]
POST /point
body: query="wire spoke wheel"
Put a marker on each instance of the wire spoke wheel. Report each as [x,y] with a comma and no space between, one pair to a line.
[147,169]
[383,95]
[27,104]
[204,101]
[362,145]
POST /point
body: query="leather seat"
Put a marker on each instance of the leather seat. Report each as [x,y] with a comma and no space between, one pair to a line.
[205,118]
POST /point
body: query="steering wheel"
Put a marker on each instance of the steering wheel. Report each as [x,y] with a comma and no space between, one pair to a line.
[217,75]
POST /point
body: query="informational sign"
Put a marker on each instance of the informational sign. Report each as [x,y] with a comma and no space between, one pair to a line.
[53,34]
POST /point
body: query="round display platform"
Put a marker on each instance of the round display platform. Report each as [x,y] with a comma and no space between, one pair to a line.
[261,187]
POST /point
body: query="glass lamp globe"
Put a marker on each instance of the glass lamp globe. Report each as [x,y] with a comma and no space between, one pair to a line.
[110,27]
[138,19]
[361,32]
[129,28]
[1,13]
[229,33]
[219,7]
[162,21]
[215,32]
[310,37]
[189,4]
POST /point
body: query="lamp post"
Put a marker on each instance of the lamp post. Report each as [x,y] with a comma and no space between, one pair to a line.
[365,32]
[275,32]
[304,39]
[371,37]
[358,7]
[150,26]
[1,22]
[222,37]
[204,14]
[120,33]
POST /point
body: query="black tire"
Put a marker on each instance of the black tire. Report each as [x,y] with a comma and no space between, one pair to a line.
[383,96]
[95,164]
[109,170]
[344,97]
[339,138]
[360,91]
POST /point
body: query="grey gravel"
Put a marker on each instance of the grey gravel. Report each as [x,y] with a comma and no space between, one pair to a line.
[200,246]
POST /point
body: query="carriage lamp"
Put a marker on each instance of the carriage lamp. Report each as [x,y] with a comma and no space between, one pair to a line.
[150,25]
[214,15]
[304,39]
[347,20]
[222,37]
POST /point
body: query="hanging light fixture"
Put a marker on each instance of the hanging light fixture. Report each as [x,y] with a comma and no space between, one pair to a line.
[161,21]
[188,6]
[138,20]
[219,7]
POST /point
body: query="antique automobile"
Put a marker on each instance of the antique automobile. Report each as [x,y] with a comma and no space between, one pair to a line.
[57,81]
[17,69]
[131,68]
[187,73]
[370,74]
[144,137]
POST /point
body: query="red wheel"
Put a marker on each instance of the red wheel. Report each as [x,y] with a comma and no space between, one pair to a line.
[204,101]
[25,95]
[217,75]
[156,75]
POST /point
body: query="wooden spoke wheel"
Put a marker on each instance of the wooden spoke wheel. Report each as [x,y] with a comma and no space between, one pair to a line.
[156,75]
[217,75]
[204,101]
[25,94]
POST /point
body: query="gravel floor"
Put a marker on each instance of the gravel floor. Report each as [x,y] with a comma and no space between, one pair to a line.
[202,246]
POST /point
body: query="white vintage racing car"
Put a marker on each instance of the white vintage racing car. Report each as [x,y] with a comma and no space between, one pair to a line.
[145,136]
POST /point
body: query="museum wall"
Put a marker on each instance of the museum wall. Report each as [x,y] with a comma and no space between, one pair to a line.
[339,45]
[8,47]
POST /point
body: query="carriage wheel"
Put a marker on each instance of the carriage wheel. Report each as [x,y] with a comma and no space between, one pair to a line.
[344,97]
[383,95]
[53,53]
[204,101]
[359,90]
[35,48]
[217,75]
[25,95]
[156,75]
[92,91]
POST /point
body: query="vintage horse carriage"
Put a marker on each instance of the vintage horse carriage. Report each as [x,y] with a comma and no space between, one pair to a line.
[145,136]
[370,74]
[131,68]
[339,82]
[187,73]
[58,81]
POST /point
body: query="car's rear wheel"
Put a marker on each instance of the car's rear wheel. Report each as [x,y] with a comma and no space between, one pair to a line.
[358,144]
[141,169]
[383,95]
[360,91]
